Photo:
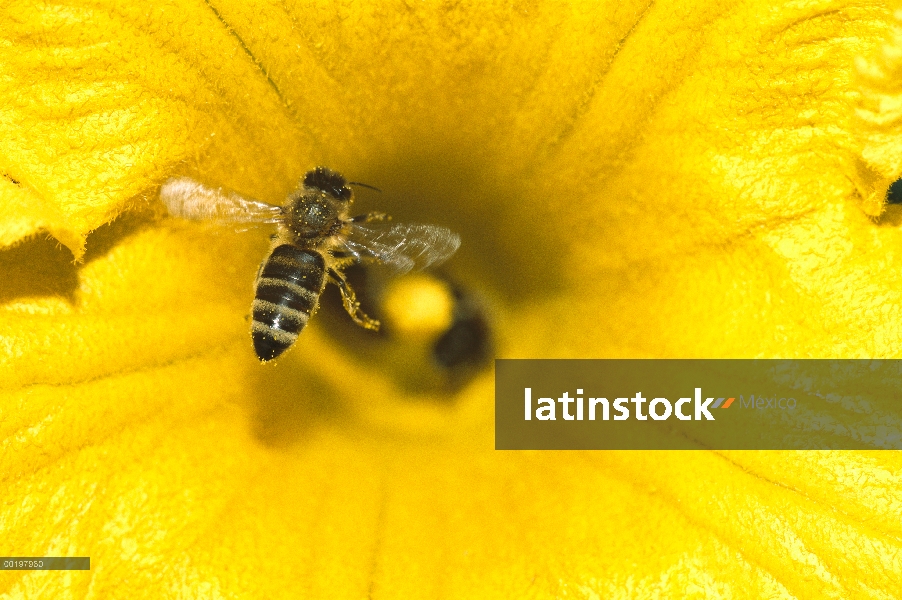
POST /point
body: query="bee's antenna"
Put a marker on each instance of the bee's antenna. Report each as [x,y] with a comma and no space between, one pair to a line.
[366,185]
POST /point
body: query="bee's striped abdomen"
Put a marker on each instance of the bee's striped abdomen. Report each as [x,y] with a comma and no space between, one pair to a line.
[288,288]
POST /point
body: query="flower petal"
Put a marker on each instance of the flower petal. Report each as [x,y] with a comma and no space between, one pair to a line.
[631,179]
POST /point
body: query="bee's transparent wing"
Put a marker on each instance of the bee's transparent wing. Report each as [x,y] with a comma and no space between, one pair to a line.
[402,247]
[188,199]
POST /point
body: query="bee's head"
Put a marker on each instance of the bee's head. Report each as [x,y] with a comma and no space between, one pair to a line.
[329,182]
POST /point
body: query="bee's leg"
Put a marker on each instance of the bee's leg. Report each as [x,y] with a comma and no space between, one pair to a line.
[370,217]
[350,301]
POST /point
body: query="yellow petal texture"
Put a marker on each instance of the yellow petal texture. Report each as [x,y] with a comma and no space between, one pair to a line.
[880,110]
[669,179]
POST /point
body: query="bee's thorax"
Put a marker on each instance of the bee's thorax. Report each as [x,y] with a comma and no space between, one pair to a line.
[314,215]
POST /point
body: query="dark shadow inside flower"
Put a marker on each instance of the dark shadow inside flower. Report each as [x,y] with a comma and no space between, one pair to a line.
[891,217]
[468,340]
[504,248]
[57,274]
[892,213]
[894,193]
[441,360]
[129,223]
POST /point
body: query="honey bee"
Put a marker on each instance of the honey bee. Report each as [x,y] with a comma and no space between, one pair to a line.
[316,239]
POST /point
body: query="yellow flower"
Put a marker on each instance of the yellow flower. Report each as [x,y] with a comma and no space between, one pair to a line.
[630,179]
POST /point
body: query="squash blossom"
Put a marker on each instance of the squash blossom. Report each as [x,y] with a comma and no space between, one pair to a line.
[630,179]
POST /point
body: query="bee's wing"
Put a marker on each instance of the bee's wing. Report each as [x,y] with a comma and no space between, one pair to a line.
[189,199]
[402,247]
